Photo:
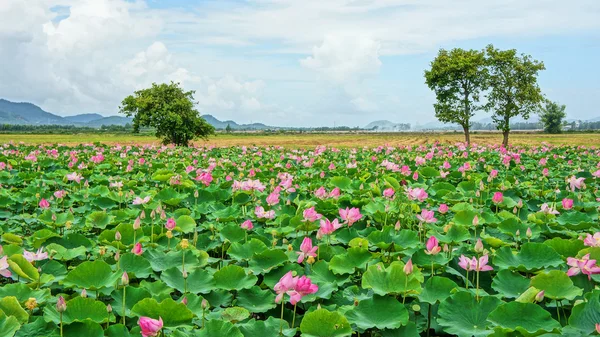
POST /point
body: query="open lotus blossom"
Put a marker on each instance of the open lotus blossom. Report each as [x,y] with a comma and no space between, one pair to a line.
[475,264]
[327,227]
[583,265]
[432,246]
[497,198]
[260,213]
[60,194]
[76,177]
[44,204]
[321,193]
[303,287]
[39,255]
[137,249]
[388,192]
[272,199]
[310,215]
[4,267]
[417,194]
[567,203]
[427,216]
[141,201]
[576,183]
[204,177]
[465,263]
[306,250]
[150,327]
[350,215]
[170,225]
[247,225]
[286,283]
[548,209]
[592,240]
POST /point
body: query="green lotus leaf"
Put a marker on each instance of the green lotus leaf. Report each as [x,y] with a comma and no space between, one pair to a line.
[233,277]
[173,313]
[573,220]
[268,327]
[347,263]
[39,327]
[510,284]
[585,315]
[379,312]
[98,219]
[392,280]
[11,307]
[235,314]
[523,317]
[343,183]
[20,266]
[265,261]
[242,198]
[158,289]
[409,330]
[232,233]
[403,239]
[256,300]
[170,197]
[22,292]
[556,285]
[8,325]
[185,224]
[565,247]
[321,274]
[218,328]
[198,281]
[218,298]
[162,261]
[132,296]
[271,278]
[246,250]
[456,234]
[87,329]
[437,288]
[465,218]
[462,315]
[324,323]
[59,252]
[117,330]
[39,237]
[11,238]
[92,275]
[532,256]
[136,265]
[79,309]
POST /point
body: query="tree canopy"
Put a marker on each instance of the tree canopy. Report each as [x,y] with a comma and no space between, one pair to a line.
[169,110]
[552,116]
[514,90]
[457,77]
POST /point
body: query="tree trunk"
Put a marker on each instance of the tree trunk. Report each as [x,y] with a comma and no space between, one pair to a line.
[467,135]
[505,140]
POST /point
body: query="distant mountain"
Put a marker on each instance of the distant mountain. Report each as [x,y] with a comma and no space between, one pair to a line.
[111,120]
[26,113]
[84,118]
[384,125]
[218,124]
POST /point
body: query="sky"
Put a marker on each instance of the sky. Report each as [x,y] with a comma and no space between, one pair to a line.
[285,62]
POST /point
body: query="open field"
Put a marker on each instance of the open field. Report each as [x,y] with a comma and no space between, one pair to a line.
[313,139]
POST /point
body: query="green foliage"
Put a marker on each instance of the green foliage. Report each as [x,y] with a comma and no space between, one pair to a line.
[168,109]
[552,116]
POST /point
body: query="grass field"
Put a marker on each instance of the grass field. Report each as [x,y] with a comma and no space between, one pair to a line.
[309,140]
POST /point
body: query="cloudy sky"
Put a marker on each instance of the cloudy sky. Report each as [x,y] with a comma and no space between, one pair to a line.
[285,62]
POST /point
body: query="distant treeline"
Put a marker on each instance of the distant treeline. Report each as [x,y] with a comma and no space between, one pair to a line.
[62,129]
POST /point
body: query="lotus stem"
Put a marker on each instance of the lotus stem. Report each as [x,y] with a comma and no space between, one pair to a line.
[477,291]
[124,306]
[405,289]
[281,320]
[61,324]
[294,317]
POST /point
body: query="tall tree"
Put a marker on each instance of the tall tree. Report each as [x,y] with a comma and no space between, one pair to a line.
[552,116]
[514,90]
[169,110]
[457,77]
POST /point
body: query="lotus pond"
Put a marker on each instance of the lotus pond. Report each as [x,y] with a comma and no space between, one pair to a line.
[438,240]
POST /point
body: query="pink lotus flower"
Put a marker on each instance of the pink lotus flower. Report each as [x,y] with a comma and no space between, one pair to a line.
[205,177]
[327,227]
[141,201]
[417,194]
[408,267]
[592,241]
[137,249]
[388,192]
[481,264]
[60,194]
[170,225]
[306,250]
[584,266]
[304,286]
[548,209]
[273,199]
[497,198]
[465,263]
[37,256]
[311,215]
[335,193]
[76,177]
[150,327]
[427,216]
[321,193]
[350,215]
[443,209]
[247,225]
[576,183]
[567,203]
[4,267]
[432,246]
[493,174]
[44,204]
[260,213]
[285,284]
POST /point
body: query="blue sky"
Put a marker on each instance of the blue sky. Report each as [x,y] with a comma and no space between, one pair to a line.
[285,62]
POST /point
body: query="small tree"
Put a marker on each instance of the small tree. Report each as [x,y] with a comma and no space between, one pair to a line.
[552,116]
[168,109]
[457,77]
[514,88]
[228,128]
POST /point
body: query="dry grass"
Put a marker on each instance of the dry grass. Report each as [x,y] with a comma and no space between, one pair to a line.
[311,140]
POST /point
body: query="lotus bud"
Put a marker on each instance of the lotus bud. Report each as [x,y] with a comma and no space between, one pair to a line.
[169,234]
[204,304]
[397,226]
[109,308]
[479,246]
[118,236]
[84,293]
[184,273]
[53,217]
[529,234]
[143,215]
[31,303]
[539,296]
[518,233]
[124,279]
[184,244]
[184,301]
[61,305]
[137,223]
[598,328]
[445,248]
[475,220]
[117,256]
[408,267]
[196,194]
[515,210]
